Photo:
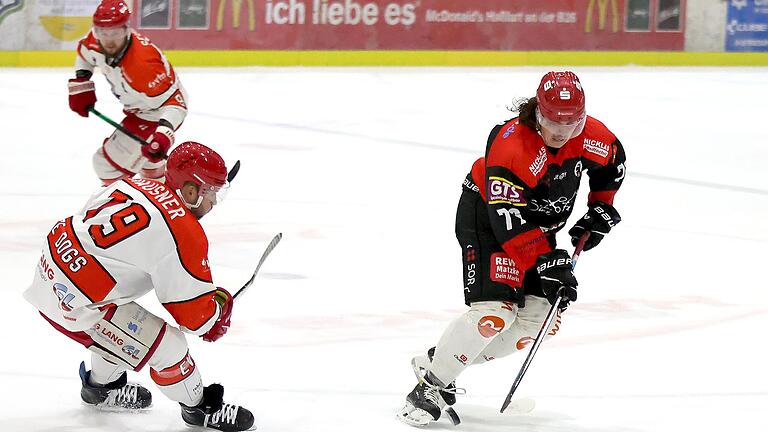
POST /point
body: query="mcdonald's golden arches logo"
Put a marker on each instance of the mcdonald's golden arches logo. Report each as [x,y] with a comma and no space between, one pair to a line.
[602,12]
[237,7]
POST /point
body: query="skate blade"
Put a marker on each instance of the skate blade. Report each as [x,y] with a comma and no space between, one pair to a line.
[207,429]
[413,416]
[116,409]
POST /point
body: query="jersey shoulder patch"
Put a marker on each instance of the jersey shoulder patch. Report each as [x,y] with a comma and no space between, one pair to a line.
[519,149]
[597,140]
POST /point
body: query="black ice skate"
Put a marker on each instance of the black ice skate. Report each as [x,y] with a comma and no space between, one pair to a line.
[213,413]
[117,395]
[449,394]
[430,397]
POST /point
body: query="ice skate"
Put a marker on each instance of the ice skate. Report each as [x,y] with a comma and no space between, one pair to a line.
[118,395]
[426,402]
[213,413]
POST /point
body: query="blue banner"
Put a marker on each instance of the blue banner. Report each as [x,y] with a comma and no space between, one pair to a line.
[746,28]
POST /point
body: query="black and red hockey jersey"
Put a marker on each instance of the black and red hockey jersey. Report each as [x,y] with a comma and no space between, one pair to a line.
[530,189]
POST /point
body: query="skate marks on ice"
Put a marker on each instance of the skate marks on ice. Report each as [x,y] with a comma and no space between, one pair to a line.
[487,418]
[78,417]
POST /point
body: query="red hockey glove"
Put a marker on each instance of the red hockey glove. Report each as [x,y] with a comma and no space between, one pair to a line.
[159,144]
[220,327]
[82,94]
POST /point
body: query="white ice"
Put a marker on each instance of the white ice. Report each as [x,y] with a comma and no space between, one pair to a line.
[361,170]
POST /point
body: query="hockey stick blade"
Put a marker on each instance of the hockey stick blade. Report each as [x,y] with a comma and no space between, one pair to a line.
[233,172]
[271,246]
[520,406]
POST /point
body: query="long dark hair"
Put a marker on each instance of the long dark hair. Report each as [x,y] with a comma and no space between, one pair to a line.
[527,110]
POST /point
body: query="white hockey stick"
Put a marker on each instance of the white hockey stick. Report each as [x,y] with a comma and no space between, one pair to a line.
[271,246]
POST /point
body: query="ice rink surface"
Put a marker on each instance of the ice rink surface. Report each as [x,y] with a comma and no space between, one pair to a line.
[361,170]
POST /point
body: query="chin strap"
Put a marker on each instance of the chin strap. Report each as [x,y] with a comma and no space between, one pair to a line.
[190,206]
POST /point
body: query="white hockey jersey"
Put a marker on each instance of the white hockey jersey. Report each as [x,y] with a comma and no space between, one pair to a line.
[142,78]
[132,236]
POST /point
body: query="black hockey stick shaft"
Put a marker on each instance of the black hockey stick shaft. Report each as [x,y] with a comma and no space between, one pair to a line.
[270,247]
[544,329]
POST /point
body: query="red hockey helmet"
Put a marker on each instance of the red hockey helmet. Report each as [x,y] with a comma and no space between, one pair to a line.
[196,163]
[111,13]
[561,98]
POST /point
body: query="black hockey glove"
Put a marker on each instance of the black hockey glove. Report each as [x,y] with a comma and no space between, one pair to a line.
[556,274]
[598,221]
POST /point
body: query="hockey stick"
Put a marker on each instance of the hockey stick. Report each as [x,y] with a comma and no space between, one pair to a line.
[120,127]
[544,328]
[233,172]
[271,246]
[117,126]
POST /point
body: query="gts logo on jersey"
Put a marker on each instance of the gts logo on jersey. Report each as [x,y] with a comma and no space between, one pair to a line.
[501,190]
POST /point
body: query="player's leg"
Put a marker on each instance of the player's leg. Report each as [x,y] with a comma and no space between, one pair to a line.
[523,331]
[130,337]
[176,374]
[153,170]
[120,156]
[106,386]
[107,170]
[492,310]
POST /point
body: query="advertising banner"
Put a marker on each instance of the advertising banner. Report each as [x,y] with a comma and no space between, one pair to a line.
[519,25]
[44,24]
[746,28]
[497,25]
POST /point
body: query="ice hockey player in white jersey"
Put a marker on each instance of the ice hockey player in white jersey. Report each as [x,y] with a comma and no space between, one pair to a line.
[154,101]
[134,236]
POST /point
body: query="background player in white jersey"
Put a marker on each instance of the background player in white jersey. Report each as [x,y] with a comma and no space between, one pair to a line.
[134,236]
[154,101]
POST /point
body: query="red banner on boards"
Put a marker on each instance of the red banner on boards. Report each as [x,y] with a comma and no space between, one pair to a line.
[520,25]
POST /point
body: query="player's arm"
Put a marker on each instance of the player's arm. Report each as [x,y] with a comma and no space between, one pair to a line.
[150,74]
[82,91]
[187,293]
[605,179]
